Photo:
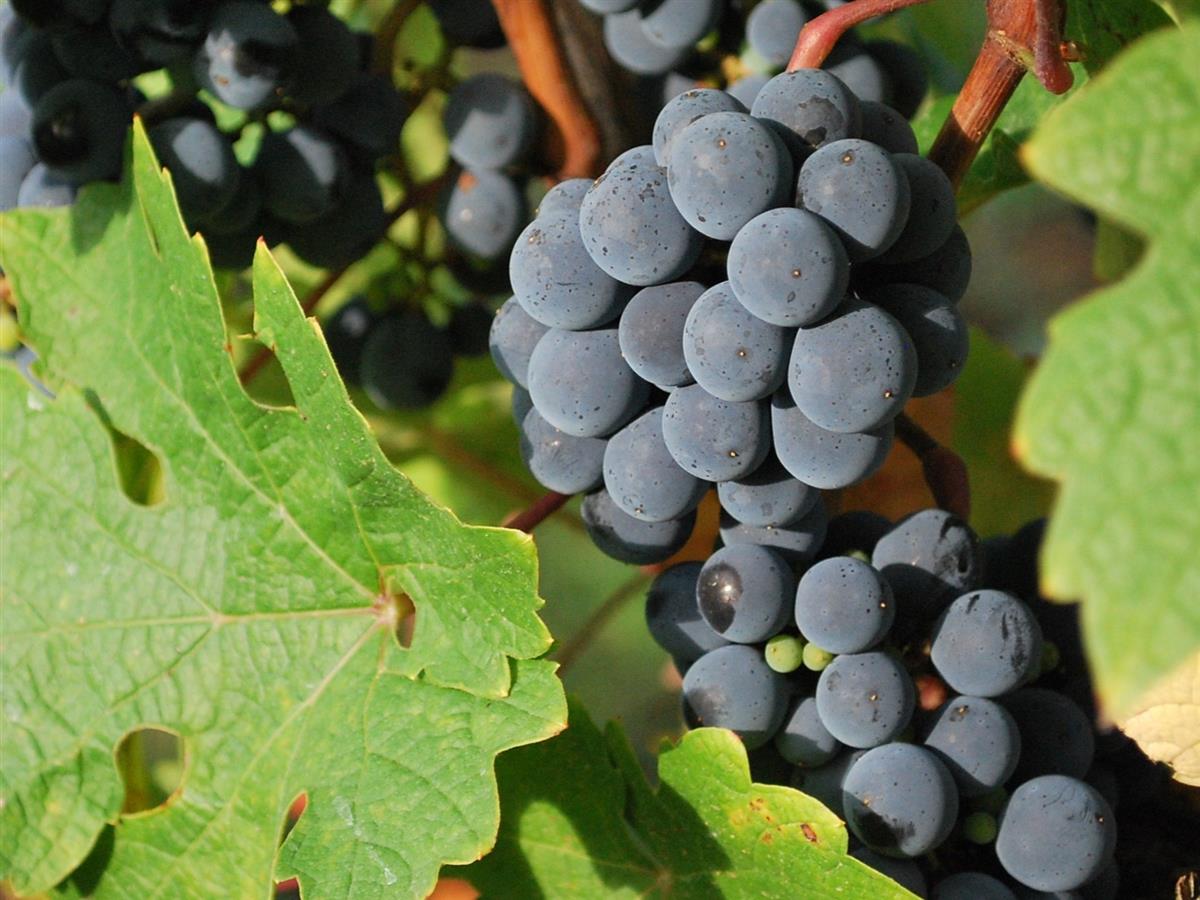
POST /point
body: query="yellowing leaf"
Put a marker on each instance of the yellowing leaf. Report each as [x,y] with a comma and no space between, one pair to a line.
[1165,722]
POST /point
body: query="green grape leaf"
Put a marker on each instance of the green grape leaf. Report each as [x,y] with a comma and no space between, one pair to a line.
[258,607]
[1111,411]
[1103,27]
[579,820]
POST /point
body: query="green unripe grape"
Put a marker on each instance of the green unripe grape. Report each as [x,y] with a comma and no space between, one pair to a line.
[784,653]
[1051,656]
[980,828]
[815,658]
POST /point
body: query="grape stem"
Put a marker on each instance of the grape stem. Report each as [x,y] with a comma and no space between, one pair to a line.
[537,512]
[535,43]
[417,197]
[944,470]
[1022,36]
[818,37]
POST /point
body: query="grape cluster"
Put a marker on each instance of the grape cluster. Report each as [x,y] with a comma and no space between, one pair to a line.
[275,125]
[690,42]
[910,678]
[748,301]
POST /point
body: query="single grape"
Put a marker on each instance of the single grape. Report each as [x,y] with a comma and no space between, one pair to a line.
[980,828]
[631,540]
[346,232]
[904,871]
[51,13]
[406,362]
[631,227]
[884,126]
[784,653]
[899,800]
[788,267]
[725,169]
[802,740]
[679,23]
[772,29]
[565,197]
[642,478]
[490,122]
[79,130]
[483,212]
[865,699]
[38,71]
[853,371]
[767,496]
[816,659]
[243,209]
[987,643]
[971,886]
[304,173]
[651,332]
[798,540]
[561,462]
[733,354]
[716,440]
[366,118]
[16,160]
[1056,735]
[938,331]
[744,593]
[859,71]
[514,335]
[628,44]
[42,187]
[946,270]
[932,212]
[674,618]
[554,278]
[809,108]
[249,54]
[906,72]
[330,53]
[346,333]
[858,189]
[580,383]
[202,165]
[1056,834]
[682,111]
[978,741]
[821,458]
[733,687]
[844,605]
[929,558]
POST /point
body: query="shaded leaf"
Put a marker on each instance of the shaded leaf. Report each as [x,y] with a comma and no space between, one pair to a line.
[1111,412]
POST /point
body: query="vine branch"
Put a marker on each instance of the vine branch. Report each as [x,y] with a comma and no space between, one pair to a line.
[537,512]
[1022,36]
[535,43]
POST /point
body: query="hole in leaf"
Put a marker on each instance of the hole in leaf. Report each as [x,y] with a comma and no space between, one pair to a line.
[263,377]
[139,470]
[398,612]
[152,764]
